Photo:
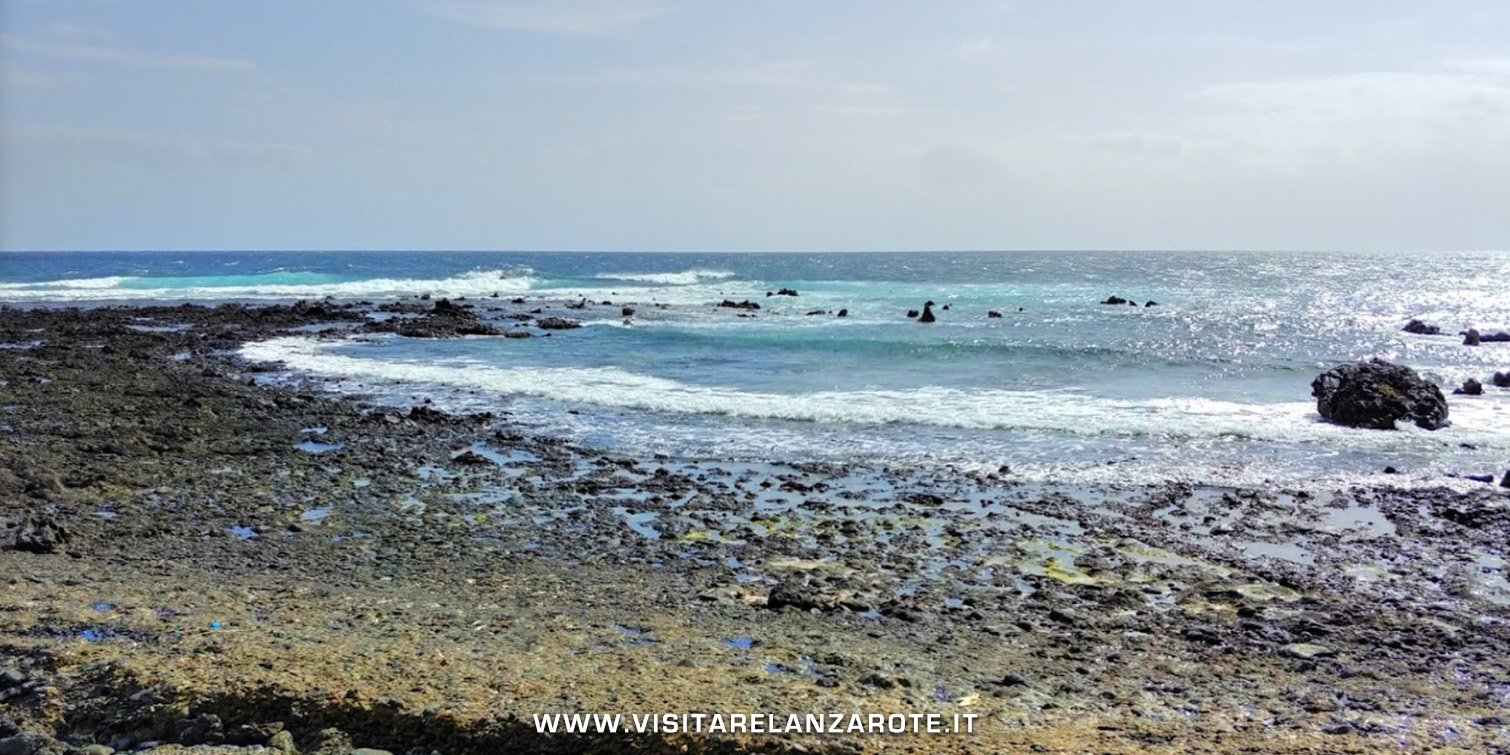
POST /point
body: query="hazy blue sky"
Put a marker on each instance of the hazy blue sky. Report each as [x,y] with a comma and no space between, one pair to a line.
[763,124]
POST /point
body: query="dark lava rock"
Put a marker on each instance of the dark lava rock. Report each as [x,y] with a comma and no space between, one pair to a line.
[1376,395]
[1501,379]
[40,533]
[731,304]
[912,313]
[787,292]
[843,313]
[1471,387]
[816,312]
[924,499]
[1150,303]
[1484,478]
[627,312]
[428,414]
[1505,483]
[1115,300]
[1471,337]
[927,315]
[557,323]
[993,314]
[203,729]
[470,458]
[801,594]
[31,744]
[1421,328]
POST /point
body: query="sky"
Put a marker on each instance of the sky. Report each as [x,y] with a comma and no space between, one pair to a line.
[755,125]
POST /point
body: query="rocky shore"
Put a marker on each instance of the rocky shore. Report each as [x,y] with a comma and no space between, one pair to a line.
[203,554]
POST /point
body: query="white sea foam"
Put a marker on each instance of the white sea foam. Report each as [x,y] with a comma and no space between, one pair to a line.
[683,278]
[475,283]
[1486,424]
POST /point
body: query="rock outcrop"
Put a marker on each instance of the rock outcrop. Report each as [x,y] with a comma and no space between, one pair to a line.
[1378,394]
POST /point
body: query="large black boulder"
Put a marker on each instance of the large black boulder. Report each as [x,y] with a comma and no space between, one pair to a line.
[1376,395]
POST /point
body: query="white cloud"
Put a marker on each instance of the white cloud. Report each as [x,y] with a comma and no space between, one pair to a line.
[597,18]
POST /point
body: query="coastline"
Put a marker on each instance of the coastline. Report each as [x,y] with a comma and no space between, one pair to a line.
[464,576]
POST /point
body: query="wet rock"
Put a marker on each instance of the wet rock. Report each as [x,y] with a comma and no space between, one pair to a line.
[1421,328]
[1471,387]
[1471,337]
[556,323]
[1501,379]
[1505,483]
[1150,303]
[627,312]
[11,677]
[993,314]
[1484,478]
[731,304]
[1115,300]
[927,315]
[41,533]
[802,594]
[843,313]
[786,292]
[428,414]
[912,313]
[816,312]
[471,459]
[924,499]
[1376,395]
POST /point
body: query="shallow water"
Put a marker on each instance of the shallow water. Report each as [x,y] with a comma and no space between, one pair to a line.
[1210,386]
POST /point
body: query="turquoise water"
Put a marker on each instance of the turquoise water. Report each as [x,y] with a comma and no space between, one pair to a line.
[1211,385]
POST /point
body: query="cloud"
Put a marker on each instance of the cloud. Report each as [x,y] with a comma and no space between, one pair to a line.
[595,18]
[106,54]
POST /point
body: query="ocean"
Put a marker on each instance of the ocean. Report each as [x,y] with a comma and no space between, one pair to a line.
[1211,386]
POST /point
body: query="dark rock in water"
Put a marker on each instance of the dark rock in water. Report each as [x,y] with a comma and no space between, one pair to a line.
[731,304]
[579,305]
[927,315]
[41,533]
[816,312]
[627,312]
[945,307]
[1421,328]
[993,314]
[1471,337]
[557,323]
[470,458]
[427,414]
[1150,303]
[1115,300]
[924,499]
[1471,387]
[843,313]
[1485,478]
[1505,483]
[1501,379]
[1376,395]
[912,313]
[517,300]
[1500,337]
[786,292]
[445,307]
[1391,470]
